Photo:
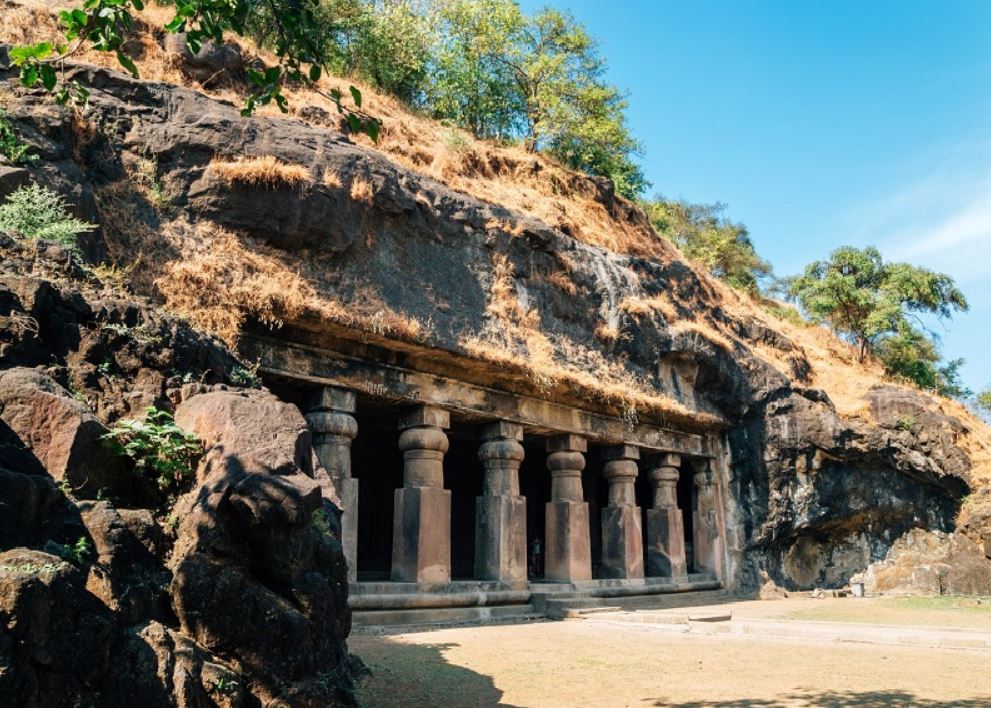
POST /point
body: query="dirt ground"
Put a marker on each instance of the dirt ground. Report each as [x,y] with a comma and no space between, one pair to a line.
[585,663]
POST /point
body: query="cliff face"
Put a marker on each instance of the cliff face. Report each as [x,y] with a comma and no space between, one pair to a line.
[332,239]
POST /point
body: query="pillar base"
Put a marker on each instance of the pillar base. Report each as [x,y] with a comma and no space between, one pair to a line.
[421,535]
[569,553]
[622,542]
[347,490]
[500,537]
[666,544]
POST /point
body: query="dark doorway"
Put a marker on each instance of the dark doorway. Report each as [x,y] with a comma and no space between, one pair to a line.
[643,489]
[597,495]
[686,502]
[535,486]
[378,464]
[463,476]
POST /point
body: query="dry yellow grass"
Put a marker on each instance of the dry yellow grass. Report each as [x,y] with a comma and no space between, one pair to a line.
[362,190]
[264,171]
[332,179]
[560,280]
[640,306]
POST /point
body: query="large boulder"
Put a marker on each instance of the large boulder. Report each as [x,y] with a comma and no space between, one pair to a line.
[248,532]
[925,562]
[60,432]
[55,637]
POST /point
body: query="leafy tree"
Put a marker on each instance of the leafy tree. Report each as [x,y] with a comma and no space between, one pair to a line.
[706,236]
[864,299]
[983,401]
[504,75]
[471,83]
[104,25]
[910,354]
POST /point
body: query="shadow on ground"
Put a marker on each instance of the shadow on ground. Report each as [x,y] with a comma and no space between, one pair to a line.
[832,699]
[414,675]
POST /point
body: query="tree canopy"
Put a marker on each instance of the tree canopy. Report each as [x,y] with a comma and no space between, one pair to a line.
[705,235]
[874,303]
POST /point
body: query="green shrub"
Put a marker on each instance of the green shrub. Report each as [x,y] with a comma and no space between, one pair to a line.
[35,212]
[77,553]
[160,448]
[11,146]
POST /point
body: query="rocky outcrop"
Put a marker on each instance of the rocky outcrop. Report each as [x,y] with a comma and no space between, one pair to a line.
[111,594]
[818,497]
[930,563]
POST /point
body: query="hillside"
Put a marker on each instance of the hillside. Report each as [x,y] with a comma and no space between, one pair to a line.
[453,257]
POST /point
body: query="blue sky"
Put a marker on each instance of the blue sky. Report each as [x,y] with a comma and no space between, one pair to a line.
[821,124]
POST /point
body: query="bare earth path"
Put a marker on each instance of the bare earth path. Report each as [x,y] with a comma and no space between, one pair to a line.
[604,663]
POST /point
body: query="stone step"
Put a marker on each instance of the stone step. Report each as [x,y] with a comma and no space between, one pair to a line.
[580,612]
[409,601]
[377,620]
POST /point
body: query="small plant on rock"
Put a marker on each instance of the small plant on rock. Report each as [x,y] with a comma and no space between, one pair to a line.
[11,145]
[246,376]
[34,212]
[160,448]
[77,553]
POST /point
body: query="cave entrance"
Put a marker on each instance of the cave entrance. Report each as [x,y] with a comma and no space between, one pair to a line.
[463,477]
[687,503]
[596,491]
[378,465]
[535,487]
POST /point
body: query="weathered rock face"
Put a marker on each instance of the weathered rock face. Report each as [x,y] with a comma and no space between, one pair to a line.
[816,496]
[931,563]
[232,596]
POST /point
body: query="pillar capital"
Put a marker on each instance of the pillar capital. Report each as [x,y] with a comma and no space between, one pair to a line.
[621,452]
[567,443]
[501,430]
[332,398]
[425,417]
[664,459]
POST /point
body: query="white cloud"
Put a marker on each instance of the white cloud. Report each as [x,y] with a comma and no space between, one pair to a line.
[942,221]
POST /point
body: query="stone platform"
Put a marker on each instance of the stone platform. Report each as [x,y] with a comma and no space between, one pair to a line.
[394,604]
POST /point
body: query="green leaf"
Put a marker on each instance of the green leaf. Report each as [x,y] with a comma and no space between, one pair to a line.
[48,77]
[176,25]
[356,95]
[354,123]
[315,72]
[138,5]
[128,64]
[29,75]
[372,129]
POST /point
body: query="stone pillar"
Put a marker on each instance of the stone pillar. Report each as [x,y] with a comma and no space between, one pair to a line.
[334,427]
[706,526]
[622,532]
[500,513]
[665,524]
[568,556]
[421,530]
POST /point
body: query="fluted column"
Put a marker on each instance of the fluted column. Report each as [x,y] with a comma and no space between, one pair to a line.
[333,425]
[569,555]
[665,523]
[706,545]
[421,530]
[500,513]
[622,532]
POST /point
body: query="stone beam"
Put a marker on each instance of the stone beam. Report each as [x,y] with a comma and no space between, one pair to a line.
[469,400]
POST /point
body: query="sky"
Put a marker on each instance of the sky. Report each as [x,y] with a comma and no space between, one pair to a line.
[821,124]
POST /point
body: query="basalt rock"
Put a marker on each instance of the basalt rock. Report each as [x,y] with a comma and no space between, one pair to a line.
[232,596]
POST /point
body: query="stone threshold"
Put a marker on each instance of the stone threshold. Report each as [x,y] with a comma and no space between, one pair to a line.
[369,597]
